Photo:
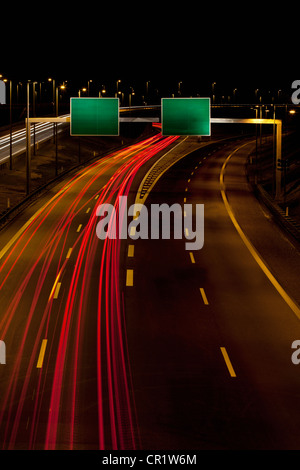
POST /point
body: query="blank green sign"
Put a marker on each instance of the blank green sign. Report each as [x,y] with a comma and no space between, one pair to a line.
[94,116]
[186,116]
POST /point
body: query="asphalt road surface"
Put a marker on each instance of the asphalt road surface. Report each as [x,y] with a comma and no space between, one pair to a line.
[40,132]
[141,344]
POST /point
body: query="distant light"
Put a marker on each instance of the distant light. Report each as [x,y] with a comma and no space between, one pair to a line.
[292,111]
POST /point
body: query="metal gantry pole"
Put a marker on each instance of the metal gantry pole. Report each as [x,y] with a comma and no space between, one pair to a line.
[10,119]
[278,159]
[28,146]
[278,124]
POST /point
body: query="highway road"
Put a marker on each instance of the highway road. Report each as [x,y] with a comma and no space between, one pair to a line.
[211,347]
[141,344]
[43,131]
[66,383]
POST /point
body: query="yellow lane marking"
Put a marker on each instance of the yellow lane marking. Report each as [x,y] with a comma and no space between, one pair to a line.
[21,231]
[42,354]
[142,200]
[129,278]
[79,228]
[131,251]
[54,286]
[88,210]
[69,253]
[35,216]
[56,294]
[192,258]
[294,307]
[204,296]
[228,363]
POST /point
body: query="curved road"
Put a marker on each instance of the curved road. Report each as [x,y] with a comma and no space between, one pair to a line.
[210,333]
[129,344]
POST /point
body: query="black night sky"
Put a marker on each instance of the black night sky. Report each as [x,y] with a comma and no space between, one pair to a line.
[244,47]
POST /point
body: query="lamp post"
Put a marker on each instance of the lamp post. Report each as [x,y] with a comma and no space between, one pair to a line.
[147,88]
[118,81]
[89,81]
[234,95]
[61,87]
[179,88]
[28,140]
[10,122]
[131,94]
[53,102]
[79,92]
[34,114]
[213,92]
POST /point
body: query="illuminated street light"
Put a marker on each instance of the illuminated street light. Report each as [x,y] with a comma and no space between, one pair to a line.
[89,81]
[147,87]
[10,121]
[179,88]
[213,91]
[118,81]
[81,90]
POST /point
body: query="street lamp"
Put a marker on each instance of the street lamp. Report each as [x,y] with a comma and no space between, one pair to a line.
[147,87]
[89,81]
[81,90]
[53,102]
[53,92]
[28,144]
[118,81]
[102,92]
[234,95]
[10,122]
[61,87]
[179,88]
[131,94]
[213,91]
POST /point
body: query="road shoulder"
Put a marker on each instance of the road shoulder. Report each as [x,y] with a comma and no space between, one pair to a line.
[273,244]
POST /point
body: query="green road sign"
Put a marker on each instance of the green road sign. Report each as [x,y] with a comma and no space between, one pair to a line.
[185,116]
[95,117]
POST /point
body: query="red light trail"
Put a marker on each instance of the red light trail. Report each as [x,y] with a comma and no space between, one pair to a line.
[62,324]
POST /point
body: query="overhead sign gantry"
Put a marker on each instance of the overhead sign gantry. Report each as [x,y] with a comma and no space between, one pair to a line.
[186,116]
[179,116]
[95,117]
